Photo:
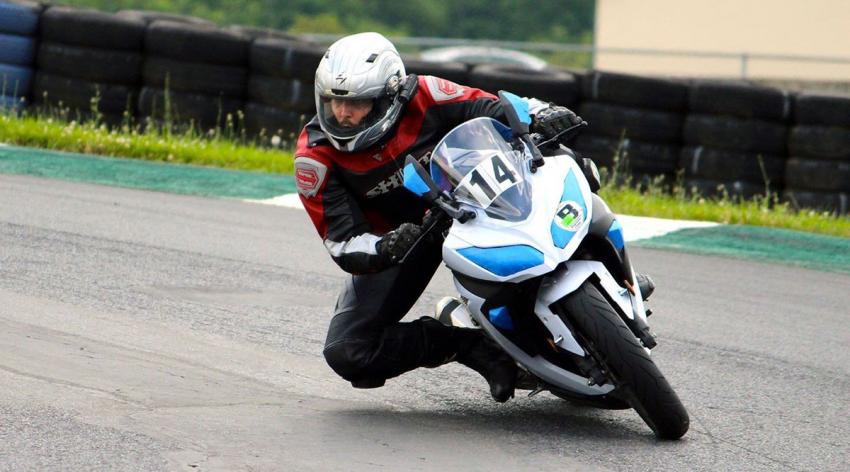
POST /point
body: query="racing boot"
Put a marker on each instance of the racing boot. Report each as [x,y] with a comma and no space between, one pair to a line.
[473,349]
[484,356]
[646,285]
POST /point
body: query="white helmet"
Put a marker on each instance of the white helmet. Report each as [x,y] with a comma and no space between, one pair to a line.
[364,66]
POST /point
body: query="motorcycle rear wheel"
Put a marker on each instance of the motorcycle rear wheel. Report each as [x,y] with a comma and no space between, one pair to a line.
[636,377]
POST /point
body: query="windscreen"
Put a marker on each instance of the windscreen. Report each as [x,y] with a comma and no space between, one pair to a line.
[477,164]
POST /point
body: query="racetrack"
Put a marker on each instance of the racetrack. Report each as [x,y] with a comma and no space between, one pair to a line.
[147,331]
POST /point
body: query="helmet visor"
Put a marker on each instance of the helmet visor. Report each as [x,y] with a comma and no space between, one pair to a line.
[345,118]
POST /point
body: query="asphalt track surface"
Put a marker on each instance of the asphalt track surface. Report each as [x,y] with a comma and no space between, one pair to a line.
[151,331]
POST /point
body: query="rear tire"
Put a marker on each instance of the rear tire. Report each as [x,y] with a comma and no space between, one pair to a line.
[629,366]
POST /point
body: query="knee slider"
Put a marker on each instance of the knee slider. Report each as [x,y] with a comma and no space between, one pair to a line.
[349,359]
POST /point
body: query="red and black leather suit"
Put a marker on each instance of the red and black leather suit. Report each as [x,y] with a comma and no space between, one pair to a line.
[355,197]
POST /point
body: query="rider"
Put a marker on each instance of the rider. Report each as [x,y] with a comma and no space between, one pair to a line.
[370,116]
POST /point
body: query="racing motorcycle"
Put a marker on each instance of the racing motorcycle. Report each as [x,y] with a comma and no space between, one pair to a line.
[540,263]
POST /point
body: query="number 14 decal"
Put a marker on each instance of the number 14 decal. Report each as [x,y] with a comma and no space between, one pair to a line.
[489,179]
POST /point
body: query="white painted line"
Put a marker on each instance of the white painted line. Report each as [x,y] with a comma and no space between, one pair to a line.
[643,227]
[635,228]
[290,200]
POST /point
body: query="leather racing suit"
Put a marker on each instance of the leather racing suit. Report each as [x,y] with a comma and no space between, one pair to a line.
[353,198]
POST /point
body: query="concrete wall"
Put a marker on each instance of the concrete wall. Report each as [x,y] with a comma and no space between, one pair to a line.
[776,27]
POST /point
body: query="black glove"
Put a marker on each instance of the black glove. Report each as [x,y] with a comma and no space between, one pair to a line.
[551,121]
[394,245]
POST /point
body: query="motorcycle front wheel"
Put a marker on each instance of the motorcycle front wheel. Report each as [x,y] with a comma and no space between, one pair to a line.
[627,364]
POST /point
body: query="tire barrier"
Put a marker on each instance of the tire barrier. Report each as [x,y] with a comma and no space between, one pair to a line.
[818,168]
[641,116]
[202,70]
[725,188]
[837,203]
[74,98]
[19,17]
[740,100]
[549,85]
[11,104]
[95,29]
[148,16]
[643,162]
[194,43]
[280,86]
[710,171]
[285,58]
[735,138]
[822,110]
[89,61]
[723,137]
[16,50]
[190,109]
[266,122]
[635,91]
[735,134]
[194,77]
[615,121]
[19,22]
[456,72]
[256,32]
[15,81]
[286,94]
[93,64]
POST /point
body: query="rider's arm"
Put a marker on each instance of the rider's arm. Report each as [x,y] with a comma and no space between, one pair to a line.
[337,217]
[459,103]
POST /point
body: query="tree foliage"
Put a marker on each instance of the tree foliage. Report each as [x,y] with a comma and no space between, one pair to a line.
[518,20]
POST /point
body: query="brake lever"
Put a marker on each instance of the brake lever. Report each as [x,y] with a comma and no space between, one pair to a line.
[426,232]
[457,213]
[445,210]
[571,129]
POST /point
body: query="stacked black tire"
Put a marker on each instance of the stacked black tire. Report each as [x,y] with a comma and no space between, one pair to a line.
[817,174]
[457,72]
[550,85]
[194,74]
[89,61]
[280,86]
[634,124]
[18,27]
[735,139]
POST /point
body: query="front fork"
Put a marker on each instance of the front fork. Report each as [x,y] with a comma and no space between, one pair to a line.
[568,278]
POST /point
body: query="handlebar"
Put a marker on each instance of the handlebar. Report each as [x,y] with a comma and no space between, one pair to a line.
[442,211]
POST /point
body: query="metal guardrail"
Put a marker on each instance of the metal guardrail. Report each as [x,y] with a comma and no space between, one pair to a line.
[745,58]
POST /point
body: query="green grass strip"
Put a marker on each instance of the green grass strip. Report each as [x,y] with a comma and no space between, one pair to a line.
[766,212]
[213,149]
[813,251]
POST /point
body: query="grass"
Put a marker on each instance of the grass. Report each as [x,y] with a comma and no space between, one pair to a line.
[215,148]
[762,211]
[229,150]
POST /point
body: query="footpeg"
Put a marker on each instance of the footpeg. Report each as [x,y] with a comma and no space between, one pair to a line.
[453,312]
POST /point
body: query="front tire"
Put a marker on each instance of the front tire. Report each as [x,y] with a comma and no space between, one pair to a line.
[611,343]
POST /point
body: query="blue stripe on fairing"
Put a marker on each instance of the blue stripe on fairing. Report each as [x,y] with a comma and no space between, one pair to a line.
[503,260]
[615,234]
[572,191]
[500,318]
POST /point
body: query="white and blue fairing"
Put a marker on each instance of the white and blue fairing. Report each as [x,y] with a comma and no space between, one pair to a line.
[527,224]
[476,162]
